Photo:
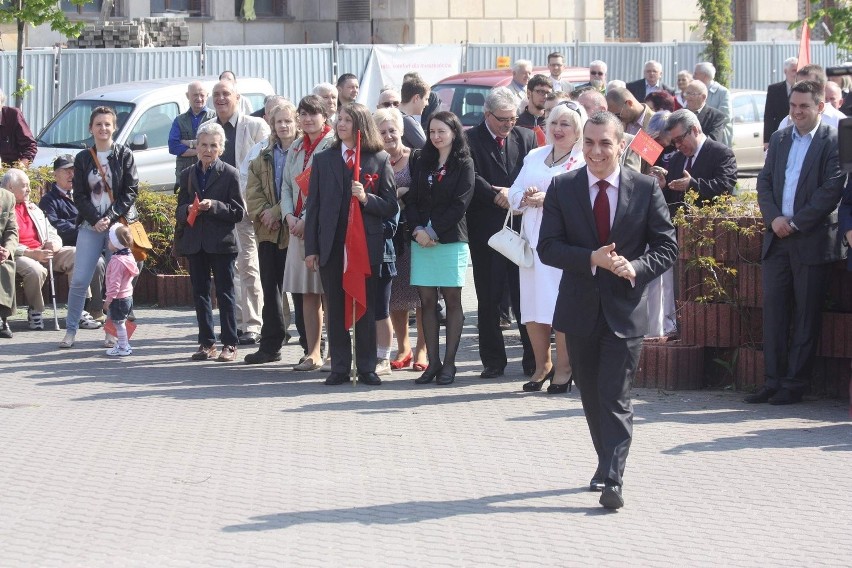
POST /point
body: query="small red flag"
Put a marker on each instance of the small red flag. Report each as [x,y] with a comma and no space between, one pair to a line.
[804,46]
[540,137]
[356,257]
[109,327]
[647,148]
[193,211]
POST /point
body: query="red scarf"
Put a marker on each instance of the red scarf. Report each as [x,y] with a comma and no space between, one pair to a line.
[310,147]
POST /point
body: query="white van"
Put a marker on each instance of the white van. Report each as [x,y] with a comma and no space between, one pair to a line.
[145,111]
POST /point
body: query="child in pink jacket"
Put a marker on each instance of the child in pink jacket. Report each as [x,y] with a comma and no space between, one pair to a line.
[119,286]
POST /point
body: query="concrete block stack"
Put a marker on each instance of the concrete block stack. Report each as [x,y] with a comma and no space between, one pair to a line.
[140,32]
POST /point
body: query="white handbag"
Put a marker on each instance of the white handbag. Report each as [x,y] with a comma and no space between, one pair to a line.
[511,244]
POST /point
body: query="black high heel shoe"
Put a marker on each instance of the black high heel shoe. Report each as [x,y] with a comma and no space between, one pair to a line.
[559,389]
[428,375]
[447,376]
[535,386]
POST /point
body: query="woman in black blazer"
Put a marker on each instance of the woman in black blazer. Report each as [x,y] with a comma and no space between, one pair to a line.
[441,189]
[331,188]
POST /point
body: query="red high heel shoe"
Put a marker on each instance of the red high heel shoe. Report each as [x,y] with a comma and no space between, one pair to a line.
[419,367]
[403,363]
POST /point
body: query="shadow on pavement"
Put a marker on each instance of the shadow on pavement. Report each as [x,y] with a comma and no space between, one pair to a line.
[834,438]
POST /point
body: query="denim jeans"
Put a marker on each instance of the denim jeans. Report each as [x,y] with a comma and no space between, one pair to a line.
[90,246]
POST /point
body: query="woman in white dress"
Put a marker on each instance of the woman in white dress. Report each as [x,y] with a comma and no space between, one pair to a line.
[540,283]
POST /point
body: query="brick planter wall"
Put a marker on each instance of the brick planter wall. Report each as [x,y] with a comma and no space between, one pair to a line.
[671,365]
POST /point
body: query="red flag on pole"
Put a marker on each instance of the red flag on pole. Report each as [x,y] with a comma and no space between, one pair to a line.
[647,148]
[356,258]
[804,46]
[193,211]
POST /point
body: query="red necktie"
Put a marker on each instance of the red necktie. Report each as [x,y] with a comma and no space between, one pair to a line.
[601,211]
[688,164]
[500,141]
[350,158]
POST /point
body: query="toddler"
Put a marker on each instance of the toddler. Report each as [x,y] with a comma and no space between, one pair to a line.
[119,287]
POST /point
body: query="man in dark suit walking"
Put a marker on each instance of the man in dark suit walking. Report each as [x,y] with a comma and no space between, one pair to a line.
[700,164]
[777,100]
[608,229]
[798,191]
[650,83]
[498,149]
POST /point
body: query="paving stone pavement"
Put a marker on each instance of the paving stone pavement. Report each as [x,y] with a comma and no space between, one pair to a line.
[155,460]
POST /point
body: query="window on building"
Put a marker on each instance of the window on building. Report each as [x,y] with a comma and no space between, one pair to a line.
[806,8]
[196,8]
[87,8]
[742,19]
[628,20]
[264,8]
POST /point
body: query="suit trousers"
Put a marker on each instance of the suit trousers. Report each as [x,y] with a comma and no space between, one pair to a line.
[222,266]
[247,284]
[492,272]
[276,308]
[339,341]
[792,291]
[604,366]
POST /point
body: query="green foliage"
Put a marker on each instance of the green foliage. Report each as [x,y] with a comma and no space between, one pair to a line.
[839,21]
[718,24]
[157,212]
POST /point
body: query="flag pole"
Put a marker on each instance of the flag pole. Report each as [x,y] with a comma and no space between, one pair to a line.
[356,175]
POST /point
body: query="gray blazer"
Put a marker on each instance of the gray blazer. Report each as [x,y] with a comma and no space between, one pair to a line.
[817,195]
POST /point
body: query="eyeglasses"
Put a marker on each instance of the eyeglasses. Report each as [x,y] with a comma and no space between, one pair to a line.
[505,119]
[389,104]
[601,73]
[691,94]
[678,140]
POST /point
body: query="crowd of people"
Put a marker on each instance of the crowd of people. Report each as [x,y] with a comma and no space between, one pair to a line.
[266,203]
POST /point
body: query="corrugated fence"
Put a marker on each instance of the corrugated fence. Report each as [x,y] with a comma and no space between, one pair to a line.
[57,76]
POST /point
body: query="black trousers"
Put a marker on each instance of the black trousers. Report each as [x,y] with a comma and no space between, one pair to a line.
[792,292]
[604,366]
[339,341]
[276,310]
[201,264]
[492,272]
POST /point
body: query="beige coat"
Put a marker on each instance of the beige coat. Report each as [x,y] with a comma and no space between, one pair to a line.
[9,241]
[260,196]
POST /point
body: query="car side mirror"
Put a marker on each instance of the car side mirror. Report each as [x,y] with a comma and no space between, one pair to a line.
[139,142]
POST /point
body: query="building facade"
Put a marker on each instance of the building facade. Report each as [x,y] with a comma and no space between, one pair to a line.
[262,22]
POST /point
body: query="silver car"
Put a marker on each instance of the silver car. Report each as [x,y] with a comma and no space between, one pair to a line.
[747,111]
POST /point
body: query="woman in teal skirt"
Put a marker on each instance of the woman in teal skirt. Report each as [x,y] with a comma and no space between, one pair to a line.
[441,189]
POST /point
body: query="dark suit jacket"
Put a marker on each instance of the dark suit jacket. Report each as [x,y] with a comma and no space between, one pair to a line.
[817,194]
[484,218]
[443,202]
[714,173]
[845,217]
[568,237]
[713,122]
[62,214]
[213,230]
[331,188]
[638,89]
[777,107]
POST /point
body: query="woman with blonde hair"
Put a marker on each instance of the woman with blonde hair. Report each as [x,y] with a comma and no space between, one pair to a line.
[540,282]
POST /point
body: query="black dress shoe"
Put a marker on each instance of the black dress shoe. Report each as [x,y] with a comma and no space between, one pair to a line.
[370,378]
[597,485]
[559,389]
[763,395]
[491,373]
[447,376]
[249,338]
[611,497]
[785,396]
[337,379]
[428,375]
[259,357]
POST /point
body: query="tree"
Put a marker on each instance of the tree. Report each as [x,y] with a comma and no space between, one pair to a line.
[718,22]
[838,18]
[36,13]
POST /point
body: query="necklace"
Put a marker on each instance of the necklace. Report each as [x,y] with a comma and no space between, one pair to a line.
[396,161]
[552,155]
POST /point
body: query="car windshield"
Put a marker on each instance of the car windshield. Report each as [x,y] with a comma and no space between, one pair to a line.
[70,128]
[466,101]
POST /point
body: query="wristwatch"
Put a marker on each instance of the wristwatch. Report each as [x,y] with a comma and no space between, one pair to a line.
[792,225]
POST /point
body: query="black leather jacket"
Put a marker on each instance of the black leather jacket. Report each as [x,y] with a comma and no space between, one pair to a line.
[125,186]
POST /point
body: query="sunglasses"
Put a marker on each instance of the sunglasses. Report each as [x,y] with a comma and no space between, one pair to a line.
[601,73]
[389,104]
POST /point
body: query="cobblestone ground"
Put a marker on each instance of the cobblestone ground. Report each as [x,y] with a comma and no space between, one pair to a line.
[154,460]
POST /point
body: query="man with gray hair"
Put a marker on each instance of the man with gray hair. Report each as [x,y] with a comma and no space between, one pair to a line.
[184,127]
[521,73]
[712,121]
[597,76]
[498,148]
[328,93]
[18,144]
[651,83]
[777,96]
[718,97]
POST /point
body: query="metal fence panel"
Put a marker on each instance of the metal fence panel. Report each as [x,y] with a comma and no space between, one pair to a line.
[484,56]
[84,69]
[293,70]
[38,72]
[352,59]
